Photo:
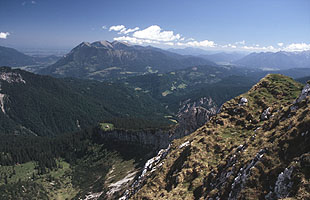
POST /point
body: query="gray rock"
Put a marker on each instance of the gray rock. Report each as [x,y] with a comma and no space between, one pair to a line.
[304,93]
[266,114]
[243,101]
[283,183]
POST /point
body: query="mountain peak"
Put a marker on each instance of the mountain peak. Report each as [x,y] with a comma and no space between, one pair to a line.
[120,44]
[83,44]
[103,43]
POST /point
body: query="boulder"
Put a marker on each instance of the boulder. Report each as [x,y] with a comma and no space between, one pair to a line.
[266,114]
[243,101]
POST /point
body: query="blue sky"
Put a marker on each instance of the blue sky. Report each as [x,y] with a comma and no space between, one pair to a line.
[256,25]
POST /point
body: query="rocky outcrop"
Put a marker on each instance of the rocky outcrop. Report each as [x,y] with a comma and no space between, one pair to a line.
[190,117]
[152,138]
[304,93]
[11,77]
[243,101]
[193,115]
[150,166]
[2,96]
[283,185]
[265,115]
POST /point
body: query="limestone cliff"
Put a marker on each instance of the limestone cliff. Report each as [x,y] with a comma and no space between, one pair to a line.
[190,117]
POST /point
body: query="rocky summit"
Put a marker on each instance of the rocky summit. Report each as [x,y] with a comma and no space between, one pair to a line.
[256,147]
[103,60]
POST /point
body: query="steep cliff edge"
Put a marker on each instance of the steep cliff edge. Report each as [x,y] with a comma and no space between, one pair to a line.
[257,147]
[191,116]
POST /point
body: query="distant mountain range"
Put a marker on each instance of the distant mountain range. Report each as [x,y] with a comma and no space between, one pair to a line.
[103,59]
[13,58]
[277,60]
[223,57]
[191,51]
[214,56]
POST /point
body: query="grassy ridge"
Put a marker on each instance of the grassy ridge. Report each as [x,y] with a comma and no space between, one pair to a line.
[225,146]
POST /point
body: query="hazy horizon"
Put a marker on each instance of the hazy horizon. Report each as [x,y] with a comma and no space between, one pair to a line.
[210,25]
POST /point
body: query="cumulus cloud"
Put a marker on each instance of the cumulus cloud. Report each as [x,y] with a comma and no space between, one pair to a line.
[121,29]
[297,47]
[204,43]
[117,28]
[104,27]
[4,35]
[280,44]
[134,40]
[130,30]
[155,33]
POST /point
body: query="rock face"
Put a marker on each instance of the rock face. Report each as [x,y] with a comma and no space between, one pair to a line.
[304,93]
[153,138]
[266,114]
[190,116]
[150,166]
[283,184]
[193,115]
[9,77]
[240,158]
[2,102]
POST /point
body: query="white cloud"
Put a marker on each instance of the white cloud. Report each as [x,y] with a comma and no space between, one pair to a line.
[124,31]
[117,28]
[121,29]
[4,35]
[169,43]
[258,48]
[104,27]
[297,47]
[229,46]
[241,42]
[134,40]
[155,33]
[33,2]
[204,43]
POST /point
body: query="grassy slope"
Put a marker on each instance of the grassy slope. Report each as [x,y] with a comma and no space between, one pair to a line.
[90,174]
[188,172]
